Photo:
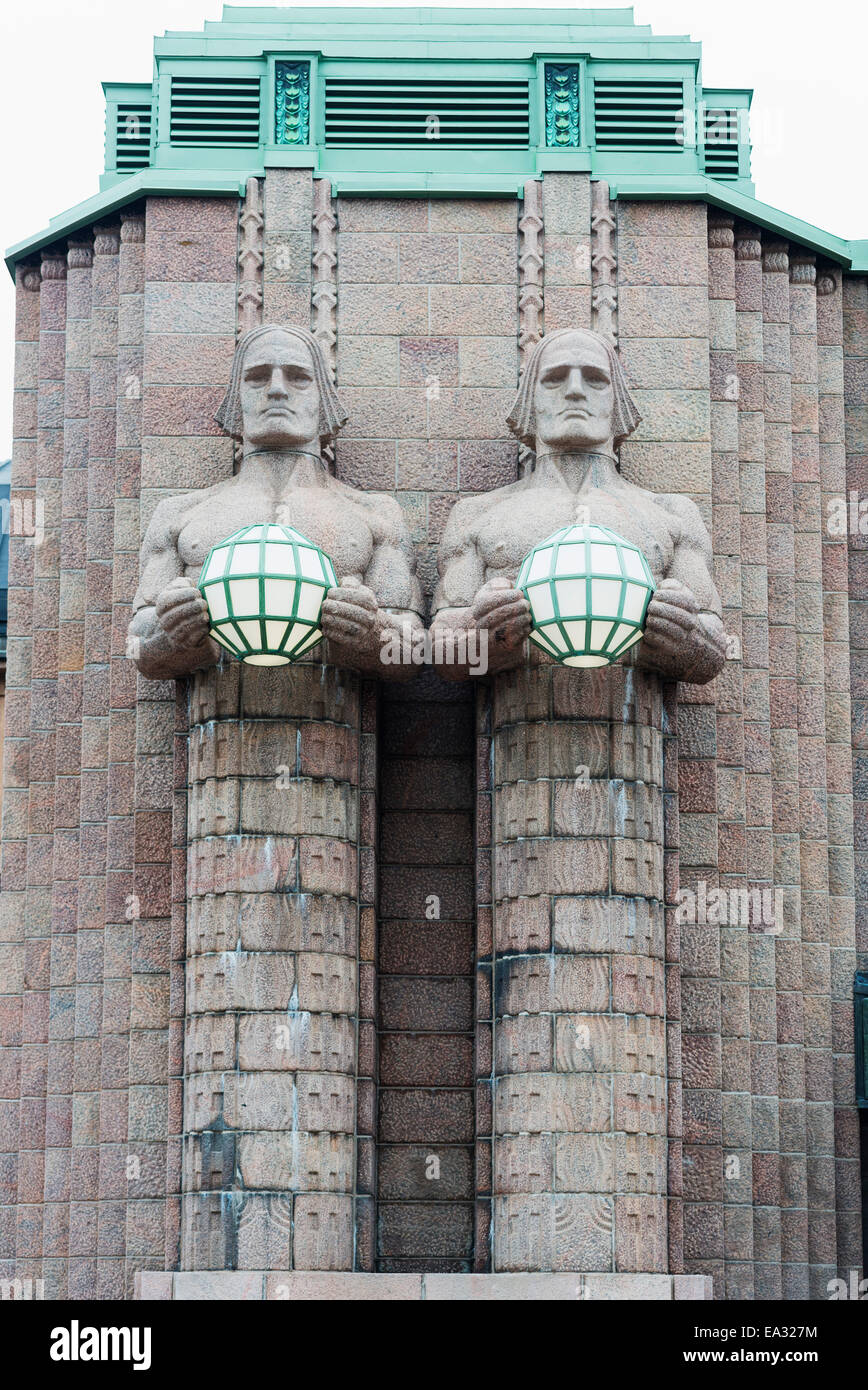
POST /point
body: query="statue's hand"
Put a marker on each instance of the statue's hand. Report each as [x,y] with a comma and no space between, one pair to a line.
[502,611]
[349,614]
[676,639]
[182,614]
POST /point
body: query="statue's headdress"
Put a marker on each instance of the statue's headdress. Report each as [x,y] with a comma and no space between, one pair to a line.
[521,419]
[331,413]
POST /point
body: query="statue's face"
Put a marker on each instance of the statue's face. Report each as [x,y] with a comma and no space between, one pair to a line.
[279,395]
[574,397]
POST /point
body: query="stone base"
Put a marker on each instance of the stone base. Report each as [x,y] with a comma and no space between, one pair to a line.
[312,1284]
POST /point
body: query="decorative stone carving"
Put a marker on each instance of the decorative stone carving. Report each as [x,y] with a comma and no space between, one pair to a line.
[250,259]
[530,263]
[79,255]
[604,295]
[803,268]
[827,280]
[325,261]
[748,246]
[282,406]
[31,278]
[53,265]
[106,241]
[720,231]
[574,408]
[776,255]
[530,286]
[132,227]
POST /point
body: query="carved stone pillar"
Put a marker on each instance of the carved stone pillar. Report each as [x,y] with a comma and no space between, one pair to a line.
[580,1050]
[272,964]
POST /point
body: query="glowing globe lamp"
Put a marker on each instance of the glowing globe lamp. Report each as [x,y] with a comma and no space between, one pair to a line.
[265,587]
[589,591]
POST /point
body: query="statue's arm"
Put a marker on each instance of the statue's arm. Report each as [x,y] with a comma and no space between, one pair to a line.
[684,635]
[370,626]
[168,633]
[478,627]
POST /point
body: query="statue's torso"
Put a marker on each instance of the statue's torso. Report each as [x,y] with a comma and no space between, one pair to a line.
[324,514]
[529,512]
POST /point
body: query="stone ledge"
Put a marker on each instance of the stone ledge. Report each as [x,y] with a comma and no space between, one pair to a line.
[312,1284]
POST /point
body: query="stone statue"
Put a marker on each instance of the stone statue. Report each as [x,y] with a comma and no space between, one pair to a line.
[282,406]
[574,409]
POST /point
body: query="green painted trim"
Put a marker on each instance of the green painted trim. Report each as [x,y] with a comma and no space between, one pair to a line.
[148,183]
[851,255]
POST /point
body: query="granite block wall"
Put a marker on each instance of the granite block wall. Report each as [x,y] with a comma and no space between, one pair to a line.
[747,358]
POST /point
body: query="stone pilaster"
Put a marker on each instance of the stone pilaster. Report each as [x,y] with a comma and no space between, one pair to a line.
[580,1150]
[272,970]
[847,1121]
[749,739]
[730,1181]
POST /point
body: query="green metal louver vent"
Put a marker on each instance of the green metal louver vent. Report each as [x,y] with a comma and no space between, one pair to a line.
[415,111]
[132,136]
[215,111]
[638,115]
[720,142]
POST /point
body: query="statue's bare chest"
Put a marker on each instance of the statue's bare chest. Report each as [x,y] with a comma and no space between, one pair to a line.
[512,527]
[321,514]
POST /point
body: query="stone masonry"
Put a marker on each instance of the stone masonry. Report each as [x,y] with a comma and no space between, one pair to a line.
[231,1049]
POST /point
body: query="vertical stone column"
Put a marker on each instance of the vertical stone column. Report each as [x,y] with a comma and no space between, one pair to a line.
[819,1226]
[759,859]
[128,1171]
[784,1133]
[67,817]
[27,1027]
[579,1032]
[663,336]
[272,930]
[730,1179]
[190,300]
[847,1119]
[834,1184]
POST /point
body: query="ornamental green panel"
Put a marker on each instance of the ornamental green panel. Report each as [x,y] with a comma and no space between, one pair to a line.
[292,103]
[562,105]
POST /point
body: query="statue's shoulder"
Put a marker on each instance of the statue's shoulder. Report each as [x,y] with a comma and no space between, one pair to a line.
[472,511]
[171,512]
[678,503]
[685,511]
[381,509]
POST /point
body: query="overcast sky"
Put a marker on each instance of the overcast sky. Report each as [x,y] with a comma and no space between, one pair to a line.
[806,63]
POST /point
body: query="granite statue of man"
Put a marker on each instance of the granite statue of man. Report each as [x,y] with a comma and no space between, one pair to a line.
[577,776]
[282,406]
[574,409]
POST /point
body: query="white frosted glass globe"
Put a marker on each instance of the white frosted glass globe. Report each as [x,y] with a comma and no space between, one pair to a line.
[589,591]
[264,587]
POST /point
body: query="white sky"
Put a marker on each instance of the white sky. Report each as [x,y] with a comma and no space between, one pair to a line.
[805,61]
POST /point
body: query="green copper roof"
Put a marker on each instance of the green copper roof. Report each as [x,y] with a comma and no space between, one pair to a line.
[426,101]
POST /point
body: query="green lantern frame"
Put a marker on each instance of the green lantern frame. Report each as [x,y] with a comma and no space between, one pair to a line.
[587,536]
[301,631]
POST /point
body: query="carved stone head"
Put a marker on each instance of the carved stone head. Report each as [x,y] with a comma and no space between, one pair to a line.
[573,396]
[280,392]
